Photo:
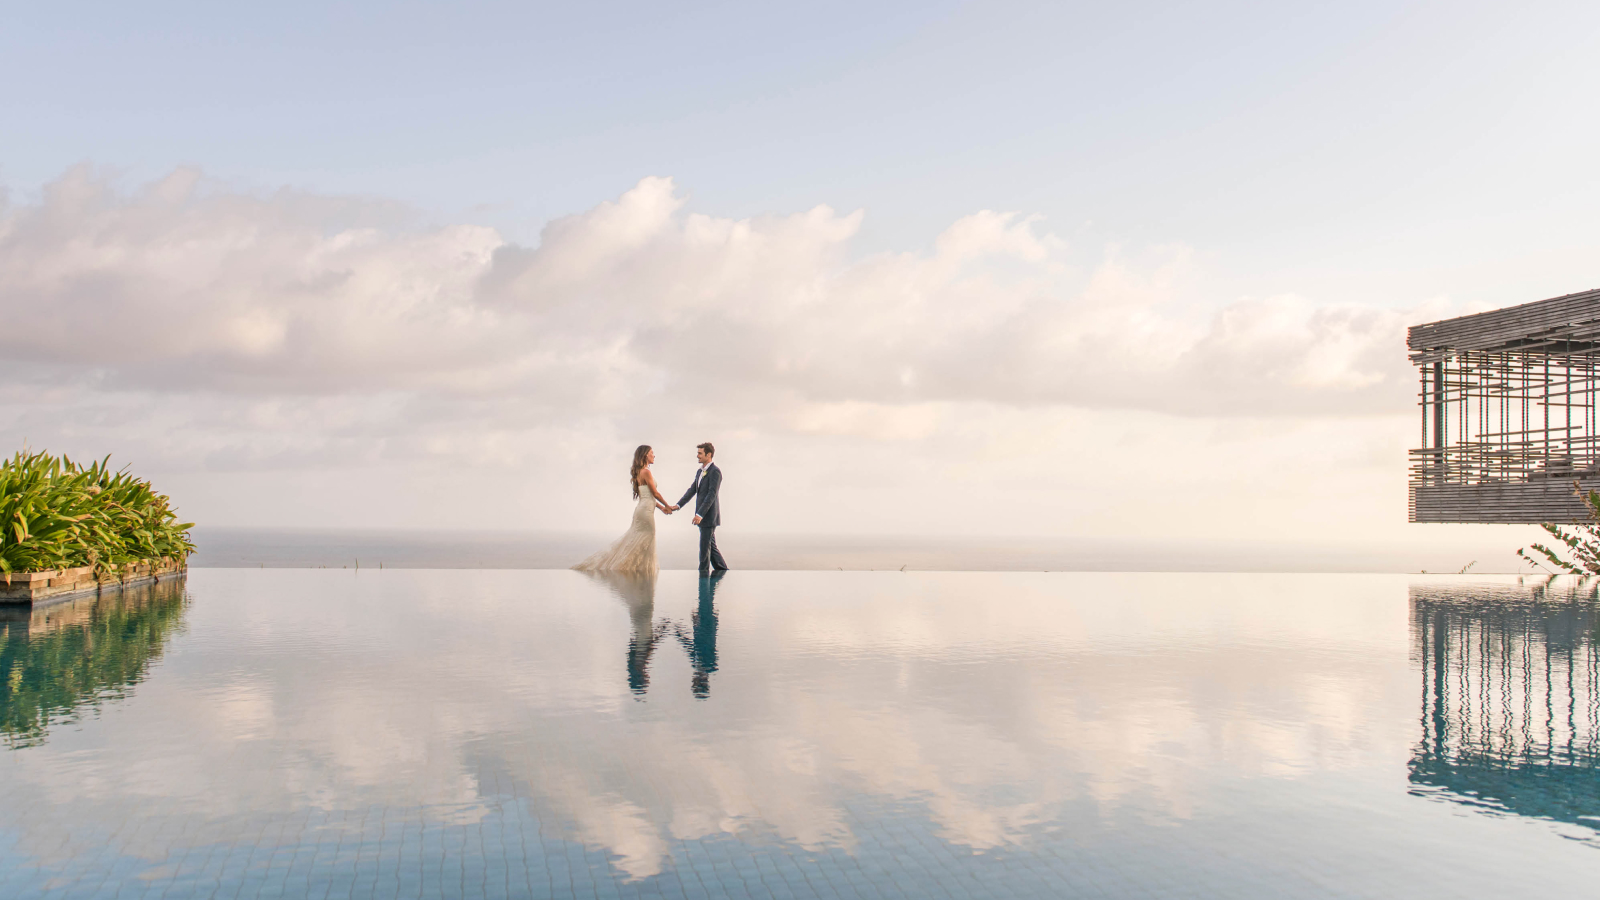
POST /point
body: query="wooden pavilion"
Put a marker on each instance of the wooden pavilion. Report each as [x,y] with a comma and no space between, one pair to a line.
[1508,413]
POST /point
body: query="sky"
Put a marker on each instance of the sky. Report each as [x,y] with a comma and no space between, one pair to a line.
[1139,270]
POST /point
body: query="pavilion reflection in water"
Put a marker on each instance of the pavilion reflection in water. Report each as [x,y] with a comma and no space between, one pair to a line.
[60,660]
[1510,697]
[699,639]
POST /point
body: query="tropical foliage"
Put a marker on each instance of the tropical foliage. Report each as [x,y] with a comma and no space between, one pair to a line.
[1582,542]
[55,513]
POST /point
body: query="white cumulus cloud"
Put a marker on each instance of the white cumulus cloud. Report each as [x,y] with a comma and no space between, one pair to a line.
[183,285]
[204,327]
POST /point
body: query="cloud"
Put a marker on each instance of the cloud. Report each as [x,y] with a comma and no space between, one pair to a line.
[186,286]
[376,368]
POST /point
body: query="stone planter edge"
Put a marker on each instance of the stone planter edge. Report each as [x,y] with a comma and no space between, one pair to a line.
[67,584]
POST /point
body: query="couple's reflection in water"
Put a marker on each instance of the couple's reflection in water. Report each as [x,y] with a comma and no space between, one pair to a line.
[1510,715]
[698,638]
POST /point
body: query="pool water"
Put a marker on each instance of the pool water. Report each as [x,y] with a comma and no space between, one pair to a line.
[427,733]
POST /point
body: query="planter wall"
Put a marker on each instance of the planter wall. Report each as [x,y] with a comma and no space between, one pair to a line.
[63,584]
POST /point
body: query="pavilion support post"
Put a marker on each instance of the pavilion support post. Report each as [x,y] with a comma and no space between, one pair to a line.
[1438,422]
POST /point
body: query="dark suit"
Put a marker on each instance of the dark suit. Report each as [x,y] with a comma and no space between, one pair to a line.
[704,492]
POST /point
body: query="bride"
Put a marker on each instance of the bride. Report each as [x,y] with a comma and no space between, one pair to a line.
[635,551]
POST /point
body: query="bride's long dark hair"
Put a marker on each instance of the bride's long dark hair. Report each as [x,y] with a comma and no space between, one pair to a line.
[638,466]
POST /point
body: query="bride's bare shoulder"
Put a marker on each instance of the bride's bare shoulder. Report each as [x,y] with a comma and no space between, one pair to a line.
[645,477]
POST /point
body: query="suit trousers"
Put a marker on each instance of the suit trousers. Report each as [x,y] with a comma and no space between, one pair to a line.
[710,556]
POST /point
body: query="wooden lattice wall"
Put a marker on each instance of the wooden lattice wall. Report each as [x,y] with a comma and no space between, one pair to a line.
[1509,428]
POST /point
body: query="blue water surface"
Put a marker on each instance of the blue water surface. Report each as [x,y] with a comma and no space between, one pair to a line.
[426,733]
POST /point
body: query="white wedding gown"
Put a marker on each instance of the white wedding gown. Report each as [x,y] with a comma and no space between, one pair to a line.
[635,551]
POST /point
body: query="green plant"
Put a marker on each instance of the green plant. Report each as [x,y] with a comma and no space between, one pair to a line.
[55,514]
[1582,541]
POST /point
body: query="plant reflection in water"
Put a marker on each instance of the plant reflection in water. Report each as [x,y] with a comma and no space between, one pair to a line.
[61,659]
[699,640]
[1510,697]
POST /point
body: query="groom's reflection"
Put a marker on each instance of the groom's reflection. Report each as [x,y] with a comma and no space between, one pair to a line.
[638,591]
[701,643]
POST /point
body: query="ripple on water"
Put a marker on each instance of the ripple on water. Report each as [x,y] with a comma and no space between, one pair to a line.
[506,733]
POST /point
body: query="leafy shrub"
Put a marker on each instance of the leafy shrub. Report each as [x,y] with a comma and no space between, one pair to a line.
[56,514]
[1582,541]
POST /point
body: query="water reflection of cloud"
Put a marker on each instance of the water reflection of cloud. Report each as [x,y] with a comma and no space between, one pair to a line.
[995,718]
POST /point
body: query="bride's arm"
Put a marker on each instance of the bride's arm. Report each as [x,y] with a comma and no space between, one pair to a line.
[661,502]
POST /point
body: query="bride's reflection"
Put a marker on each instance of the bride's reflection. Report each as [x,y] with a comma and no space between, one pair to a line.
[638,591]
[1510,697]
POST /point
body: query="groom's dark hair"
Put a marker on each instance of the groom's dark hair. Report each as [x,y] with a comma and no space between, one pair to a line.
[710,450]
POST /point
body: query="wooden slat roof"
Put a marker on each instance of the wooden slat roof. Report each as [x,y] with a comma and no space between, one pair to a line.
[1567,324]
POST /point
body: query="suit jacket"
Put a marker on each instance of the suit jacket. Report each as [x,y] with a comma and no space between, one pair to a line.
[704,492]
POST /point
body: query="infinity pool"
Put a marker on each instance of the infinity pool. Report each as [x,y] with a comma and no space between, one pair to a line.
[411,733]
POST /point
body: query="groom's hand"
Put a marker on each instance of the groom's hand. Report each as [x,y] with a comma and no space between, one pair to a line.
[697,520]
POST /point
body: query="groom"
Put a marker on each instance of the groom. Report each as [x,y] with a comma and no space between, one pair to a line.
[706,512]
